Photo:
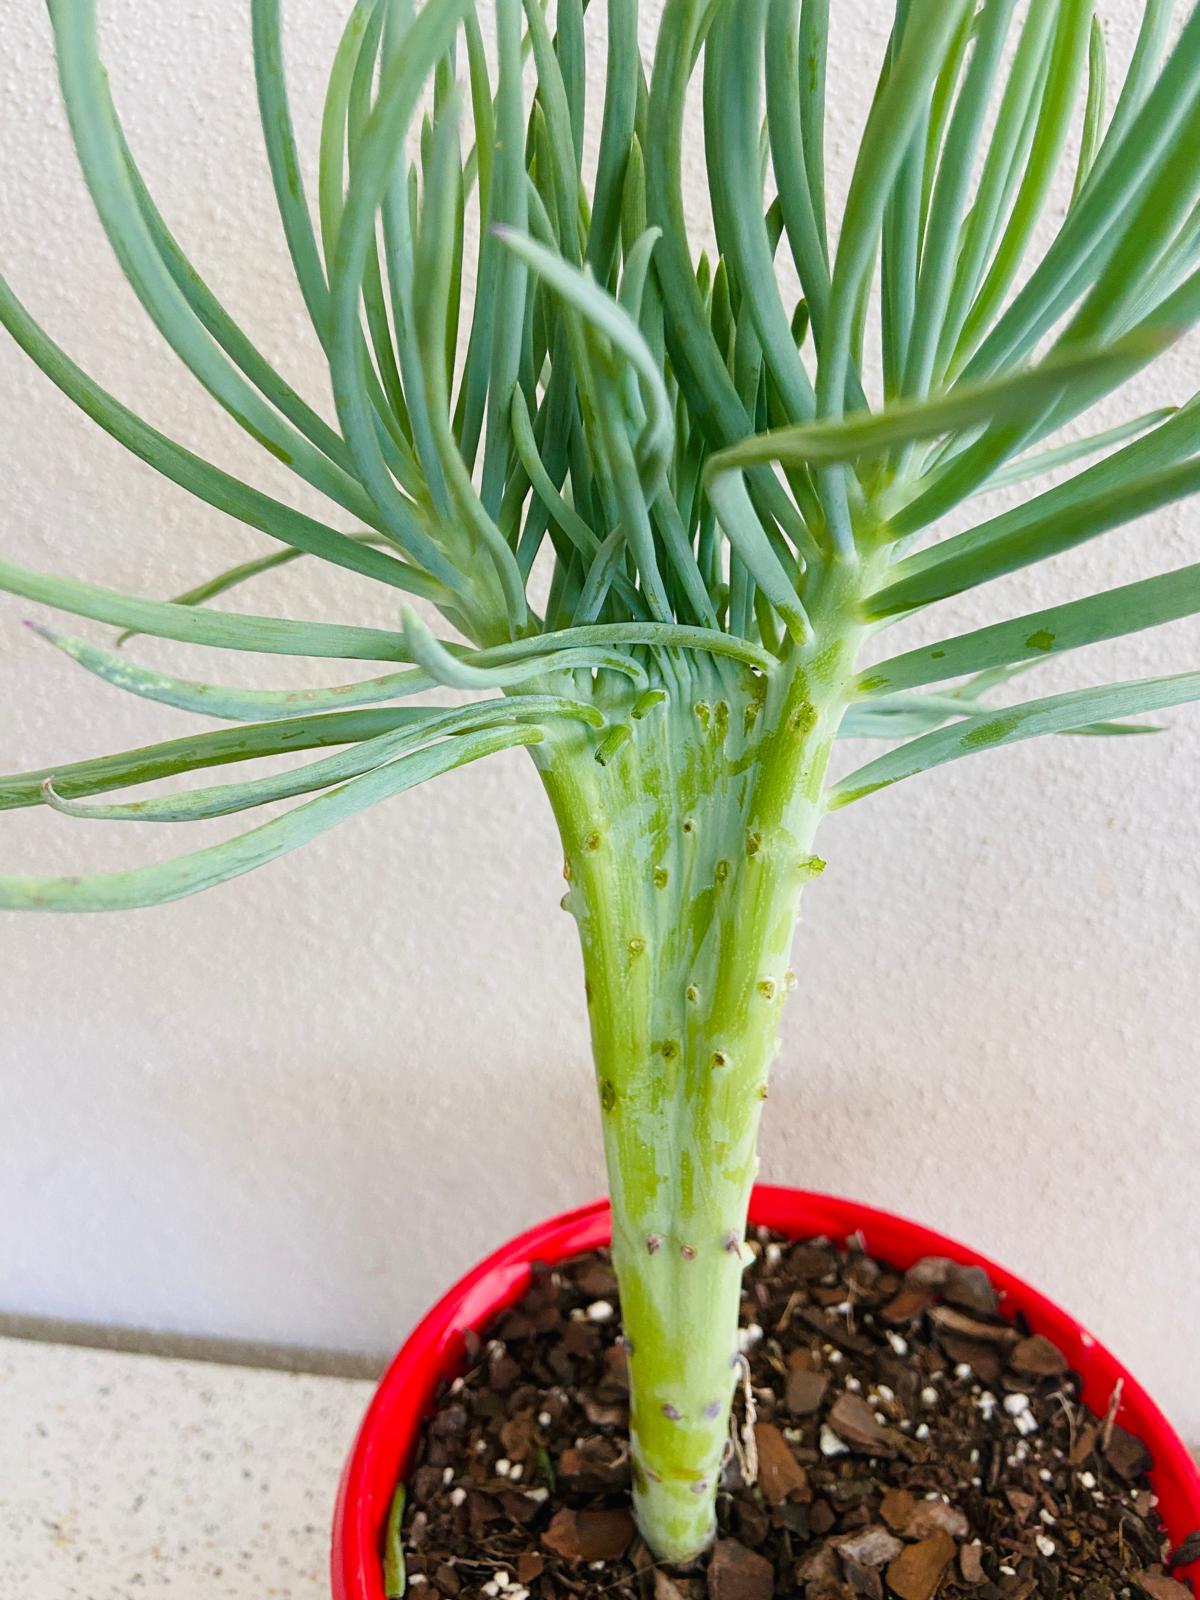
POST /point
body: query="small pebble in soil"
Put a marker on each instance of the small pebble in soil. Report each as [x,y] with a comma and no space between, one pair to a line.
[910,1444]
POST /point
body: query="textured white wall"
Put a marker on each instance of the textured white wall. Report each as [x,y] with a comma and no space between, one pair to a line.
[294,1107]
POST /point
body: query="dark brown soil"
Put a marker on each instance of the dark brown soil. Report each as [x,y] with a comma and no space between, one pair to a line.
[909,1442]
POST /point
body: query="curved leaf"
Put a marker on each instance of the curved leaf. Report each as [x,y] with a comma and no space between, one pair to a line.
[223,800]
[223,630]
[203,869]
[990,730]
[198,751]
[863,436]
[201,478]
[1062,455]
[458,673]
[103,157]
[615,324]
[404,76]
[507,666]
[232,577]
[284,160]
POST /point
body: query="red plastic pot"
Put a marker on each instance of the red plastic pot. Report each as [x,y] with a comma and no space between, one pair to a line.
[434,1351]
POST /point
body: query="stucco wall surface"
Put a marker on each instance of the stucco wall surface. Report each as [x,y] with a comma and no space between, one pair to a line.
[292,1108]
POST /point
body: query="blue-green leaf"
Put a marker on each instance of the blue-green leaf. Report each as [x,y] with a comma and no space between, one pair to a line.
[990,730]
[224,800]
[1046,526]
[218,863]
[199,751]
[1040,634]
[194,625]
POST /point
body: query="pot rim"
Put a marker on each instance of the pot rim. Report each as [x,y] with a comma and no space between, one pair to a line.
[434,1350]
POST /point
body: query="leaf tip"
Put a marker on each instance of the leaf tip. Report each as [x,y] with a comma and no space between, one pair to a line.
[51,797]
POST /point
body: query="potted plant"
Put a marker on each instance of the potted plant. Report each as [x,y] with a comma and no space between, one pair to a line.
[668,514]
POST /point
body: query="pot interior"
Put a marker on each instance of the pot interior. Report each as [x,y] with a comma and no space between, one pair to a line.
[435,1350]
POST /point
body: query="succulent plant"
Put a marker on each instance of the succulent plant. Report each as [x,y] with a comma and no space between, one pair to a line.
[660,515]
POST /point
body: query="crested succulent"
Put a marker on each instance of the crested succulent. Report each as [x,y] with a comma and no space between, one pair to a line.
[657,510]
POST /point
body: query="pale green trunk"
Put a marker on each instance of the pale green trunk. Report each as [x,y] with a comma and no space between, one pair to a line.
[686,854]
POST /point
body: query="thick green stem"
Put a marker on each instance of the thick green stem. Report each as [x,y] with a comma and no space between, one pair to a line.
[686,854]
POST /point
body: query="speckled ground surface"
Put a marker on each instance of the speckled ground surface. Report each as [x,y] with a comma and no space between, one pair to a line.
[124,1476]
